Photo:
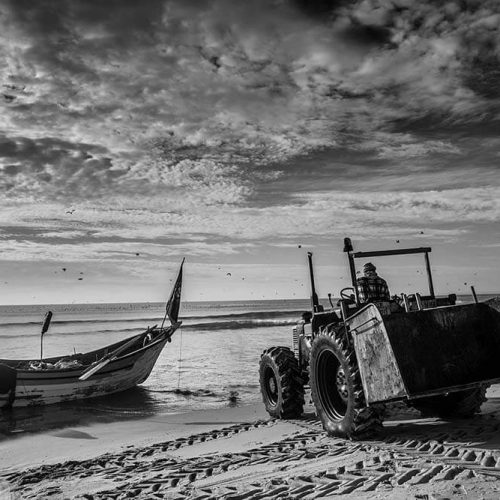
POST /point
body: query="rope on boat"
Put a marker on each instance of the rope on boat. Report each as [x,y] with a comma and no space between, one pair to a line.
[180,361]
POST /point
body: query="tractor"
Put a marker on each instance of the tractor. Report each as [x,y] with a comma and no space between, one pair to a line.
[429,352]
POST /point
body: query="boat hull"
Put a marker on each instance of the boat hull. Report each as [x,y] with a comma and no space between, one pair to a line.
[44,387]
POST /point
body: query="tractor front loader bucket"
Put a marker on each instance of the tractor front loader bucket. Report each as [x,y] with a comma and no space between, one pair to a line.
[407,355]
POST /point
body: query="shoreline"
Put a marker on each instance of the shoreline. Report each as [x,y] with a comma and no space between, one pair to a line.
[241,453]
[84,441]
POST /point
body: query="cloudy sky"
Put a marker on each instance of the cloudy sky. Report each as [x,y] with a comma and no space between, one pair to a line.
[134,133]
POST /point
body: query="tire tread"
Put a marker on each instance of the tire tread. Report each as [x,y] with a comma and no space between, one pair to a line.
[363,420]
[291,402]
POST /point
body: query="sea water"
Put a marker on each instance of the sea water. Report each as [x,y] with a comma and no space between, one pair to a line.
[212,361]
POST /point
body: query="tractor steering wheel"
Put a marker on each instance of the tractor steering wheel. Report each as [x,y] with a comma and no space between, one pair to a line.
[344,295]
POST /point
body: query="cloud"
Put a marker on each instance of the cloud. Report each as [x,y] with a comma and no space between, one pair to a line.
[117,234]
[397,146]
[259,81]
[452,206]
[53,167]
[220,125]
[112,252]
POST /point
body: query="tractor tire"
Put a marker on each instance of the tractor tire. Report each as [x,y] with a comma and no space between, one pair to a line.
[454,405]
[281,385]
[336,388]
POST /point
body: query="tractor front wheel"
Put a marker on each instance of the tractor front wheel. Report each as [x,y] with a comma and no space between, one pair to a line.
[336,388]
[281,385]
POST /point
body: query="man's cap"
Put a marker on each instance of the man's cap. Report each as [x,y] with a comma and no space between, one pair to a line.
[369,267]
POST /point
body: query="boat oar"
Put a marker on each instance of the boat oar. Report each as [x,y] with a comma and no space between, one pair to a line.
[45,327]
[113,355]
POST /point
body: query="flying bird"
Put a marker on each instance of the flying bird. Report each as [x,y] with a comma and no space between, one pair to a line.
[300,246]
[80,279]
[137,253]
[70,211]
[64,269]
[421,232]
[397,241]
[228,274]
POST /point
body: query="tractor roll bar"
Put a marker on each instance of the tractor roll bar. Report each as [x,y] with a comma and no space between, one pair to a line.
[381,253]
[402,251]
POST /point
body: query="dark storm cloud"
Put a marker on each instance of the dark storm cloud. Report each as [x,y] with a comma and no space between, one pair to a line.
[55,18]
[484,77]
[69,36]
[178,90]
[54,166]
[471,27]
[366,35]
[320,8]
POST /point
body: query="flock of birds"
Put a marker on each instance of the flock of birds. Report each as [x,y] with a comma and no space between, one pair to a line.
[229,274]
[71,211]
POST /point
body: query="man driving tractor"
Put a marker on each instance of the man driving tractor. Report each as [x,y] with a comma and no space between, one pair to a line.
[371,287]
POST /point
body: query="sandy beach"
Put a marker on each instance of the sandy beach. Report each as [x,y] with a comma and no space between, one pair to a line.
[240,453]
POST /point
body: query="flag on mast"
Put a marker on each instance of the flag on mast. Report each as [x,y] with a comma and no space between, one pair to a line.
[174,302]
[46,322]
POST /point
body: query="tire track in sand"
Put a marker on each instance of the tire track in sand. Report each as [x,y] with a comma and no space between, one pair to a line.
[305,465]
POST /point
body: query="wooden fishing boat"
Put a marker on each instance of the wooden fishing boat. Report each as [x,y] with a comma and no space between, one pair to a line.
[55,380]
[113,368]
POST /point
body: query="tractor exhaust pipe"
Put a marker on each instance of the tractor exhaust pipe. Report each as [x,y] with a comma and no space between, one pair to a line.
[314,297]
[348,249]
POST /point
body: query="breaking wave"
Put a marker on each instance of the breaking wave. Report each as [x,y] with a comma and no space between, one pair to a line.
[237,324]
[215,319]
[136,325]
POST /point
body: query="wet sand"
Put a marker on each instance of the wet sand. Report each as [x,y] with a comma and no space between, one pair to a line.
[239,453]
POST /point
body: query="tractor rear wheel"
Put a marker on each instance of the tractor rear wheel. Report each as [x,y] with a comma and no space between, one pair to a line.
[281,384]
[461,404]
[336,388]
